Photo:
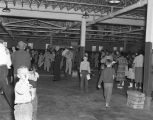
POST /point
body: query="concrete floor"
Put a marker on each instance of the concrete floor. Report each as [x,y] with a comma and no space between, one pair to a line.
[62,100]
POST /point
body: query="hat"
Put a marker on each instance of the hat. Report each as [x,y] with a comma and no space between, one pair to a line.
[21,45]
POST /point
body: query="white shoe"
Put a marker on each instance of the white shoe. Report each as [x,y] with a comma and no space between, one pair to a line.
[123,83]
[131,85]
[107,105]
[120,87]
[136,86]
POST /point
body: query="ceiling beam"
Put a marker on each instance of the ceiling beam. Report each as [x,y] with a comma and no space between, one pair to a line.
[8,32]
[85,4]
[129,31]
[141,3]
[50,24]
[34,27]
[18,21]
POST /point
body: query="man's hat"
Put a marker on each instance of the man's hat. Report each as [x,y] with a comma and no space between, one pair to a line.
[21,45]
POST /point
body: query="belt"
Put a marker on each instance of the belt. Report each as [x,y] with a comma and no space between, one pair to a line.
[22,103]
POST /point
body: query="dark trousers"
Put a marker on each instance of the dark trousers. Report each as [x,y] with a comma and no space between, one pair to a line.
[6,88]
[84,81]
[57,71]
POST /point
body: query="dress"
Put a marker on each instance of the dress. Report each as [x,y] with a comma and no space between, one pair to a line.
[58,58]
[131,74]
[138,64]
[122,63]
[47,61]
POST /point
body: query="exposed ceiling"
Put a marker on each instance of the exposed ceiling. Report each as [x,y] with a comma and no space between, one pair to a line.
[61,19]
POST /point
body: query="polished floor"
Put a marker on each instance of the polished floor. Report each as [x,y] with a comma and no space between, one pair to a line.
[62,100]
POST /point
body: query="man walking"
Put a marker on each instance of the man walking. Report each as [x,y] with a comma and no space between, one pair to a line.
[5,64]
[20,58]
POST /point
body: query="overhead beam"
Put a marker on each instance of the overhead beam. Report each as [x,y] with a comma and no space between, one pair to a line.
[9,33]
[136,30]
[19,21]
[50,24]
[85,4]
[124,10]
[34,27]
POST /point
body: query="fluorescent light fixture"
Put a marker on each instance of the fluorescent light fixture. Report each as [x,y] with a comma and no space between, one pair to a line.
[6,9]
[114,1]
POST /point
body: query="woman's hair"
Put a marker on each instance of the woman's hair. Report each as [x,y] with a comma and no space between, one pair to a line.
[122,53]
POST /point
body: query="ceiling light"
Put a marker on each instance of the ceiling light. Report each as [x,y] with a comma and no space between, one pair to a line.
[114,1]
[85,15]
[6,9]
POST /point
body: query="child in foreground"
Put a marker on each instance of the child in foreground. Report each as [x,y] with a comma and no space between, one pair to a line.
[107,77]
[23,107]
[84,71]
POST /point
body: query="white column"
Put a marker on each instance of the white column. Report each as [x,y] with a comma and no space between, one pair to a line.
[125,43]
[83,33]
[149,25]
[147,83]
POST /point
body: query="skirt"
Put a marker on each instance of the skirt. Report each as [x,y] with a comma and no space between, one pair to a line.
[138,74]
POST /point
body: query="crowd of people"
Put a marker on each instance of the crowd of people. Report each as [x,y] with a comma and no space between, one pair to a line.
[128,66]
[18,68]
[21,63]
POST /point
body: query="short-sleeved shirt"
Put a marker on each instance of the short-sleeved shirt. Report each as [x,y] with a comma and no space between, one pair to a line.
[107,75]
[138,61]
[5,58]
[85,65]
[21,58]
[22,92]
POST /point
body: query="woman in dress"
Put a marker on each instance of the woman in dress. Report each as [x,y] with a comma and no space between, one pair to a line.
[122,64]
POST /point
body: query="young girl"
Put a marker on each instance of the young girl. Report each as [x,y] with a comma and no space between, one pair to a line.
[107,76]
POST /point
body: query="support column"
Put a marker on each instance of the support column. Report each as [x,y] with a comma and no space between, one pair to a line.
[51,39]
[83,37]
[125,43]
[148,80]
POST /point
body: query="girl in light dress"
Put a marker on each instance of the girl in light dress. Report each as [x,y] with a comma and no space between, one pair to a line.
[131,76]
[47,63]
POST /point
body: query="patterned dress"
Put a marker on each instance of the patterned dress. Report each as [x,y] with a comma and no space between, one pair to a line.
[122,64]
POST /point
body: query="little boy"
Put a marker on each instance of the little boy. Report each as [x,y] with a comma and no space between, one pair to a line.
[23,107]
[107,76]
[84,71]
[33,81]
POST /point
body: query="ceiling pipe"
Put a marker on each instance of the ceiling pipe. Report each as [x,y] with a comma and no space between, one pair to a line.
[141,3]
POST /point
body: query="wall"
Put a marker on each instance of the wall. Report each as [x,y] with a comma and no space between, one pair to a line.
[38,43]
[131,47]
[41,44]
